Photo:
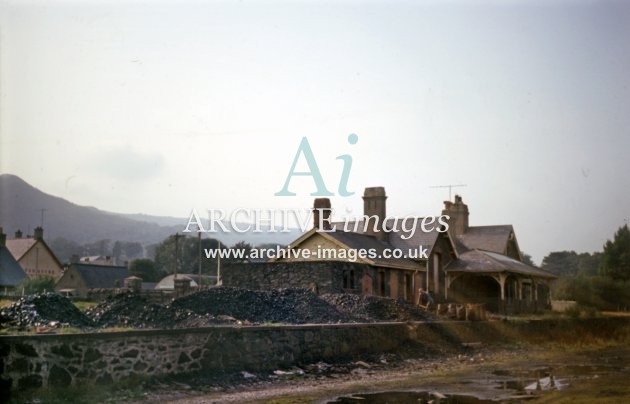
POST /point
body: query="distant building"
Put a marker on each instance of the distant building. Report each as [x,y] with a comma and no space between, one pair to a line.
[11,274]
[97,260]
[81,279]
[168,282]
[148,285]
[34,255]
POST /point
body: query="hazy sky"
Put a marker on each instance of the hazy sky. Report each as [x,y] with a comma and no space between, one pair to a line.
[159,107]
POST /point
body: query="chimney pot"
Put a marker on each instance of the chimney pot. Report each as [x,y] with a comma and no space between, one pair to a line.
[374,205]
[322,206]
[458,213]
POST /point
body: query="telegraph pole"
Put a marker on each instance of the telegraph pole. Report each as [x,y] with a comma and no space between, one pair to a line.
[450,188]
[199,257]
[41,222]
[177,236]
[219,265]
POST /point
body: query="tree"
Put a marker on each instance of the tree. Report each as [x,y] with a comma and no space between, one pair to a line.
[146,269]
[561,263]
[527,259]
[100,247]
[588,264]
[188,252]
[64,249]
[243,246]
[127,251]
[593,291]
[570,263]
[615,260]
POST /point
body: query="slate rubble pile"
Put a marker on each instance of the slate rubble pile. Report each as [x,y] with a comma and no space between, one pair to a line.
[294,306]
[136,311]
[222,305]
[375,308]
[43,310]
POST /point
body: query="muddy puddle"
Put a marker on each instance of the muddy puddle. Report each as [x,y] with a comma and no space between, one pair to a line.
[415,397]
[498,385]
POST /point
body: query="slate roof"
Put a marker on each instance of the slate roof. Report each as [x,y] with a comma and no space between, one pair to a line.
[479,262]
[101,276]
[20,246]
[11,274]
[148,285]
[487,238]
[361,241]
[404,228]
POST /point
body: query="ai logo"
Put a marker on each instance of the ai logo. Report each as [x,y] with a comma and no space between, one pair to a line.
[305,150]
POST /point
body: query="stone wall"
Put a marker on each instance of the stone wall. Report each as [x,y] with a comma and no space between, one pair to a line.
[327,276]
[71,359]
[64,360]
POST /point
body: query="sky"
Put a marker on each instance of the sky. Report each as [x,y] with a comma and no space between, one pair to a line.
[160,107]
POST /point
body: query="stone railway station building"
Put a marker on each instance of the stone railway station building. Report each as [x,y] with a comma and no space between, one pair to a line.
[464,264]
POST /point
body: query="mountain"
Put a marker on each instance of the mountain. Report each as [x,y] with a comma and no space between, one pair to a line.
[21,205]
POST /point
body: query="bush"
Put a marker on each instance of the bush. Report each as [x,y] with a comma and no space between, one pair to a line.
[582,312]
[37,285]
[599,292]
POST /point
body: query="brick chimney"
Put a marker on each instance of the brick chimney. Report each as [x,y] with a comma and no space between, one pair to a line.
[3,238]
[321,208]
[374,205]
[18,234]
[38,233]
[458,213]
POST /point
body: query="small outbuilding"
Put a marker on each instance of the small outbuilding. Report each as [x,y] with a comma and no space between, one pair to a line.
[168,283]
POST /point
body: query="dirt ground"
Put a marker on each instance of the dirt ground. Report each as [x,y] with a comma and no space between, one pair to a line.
[582,374]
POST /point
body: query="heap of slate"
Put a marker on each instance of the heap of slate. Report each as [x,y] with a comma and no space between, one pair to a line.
[219,305]
[44,309]
[136,311]
[370,308]
[292,306]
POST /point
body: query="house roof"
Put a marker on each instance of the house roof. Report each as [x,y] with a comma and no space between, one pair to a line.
[101,276]
[20,246]
[479,261]
[358,241]
[487,238]
[408,235]
[11,274]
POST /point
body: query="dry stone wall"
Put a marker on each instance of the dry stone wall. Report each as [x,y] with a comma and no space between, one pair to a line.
[65,360]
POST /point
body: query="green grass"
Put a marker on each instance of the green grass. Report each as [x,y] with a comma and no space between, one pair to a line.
[83,305]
